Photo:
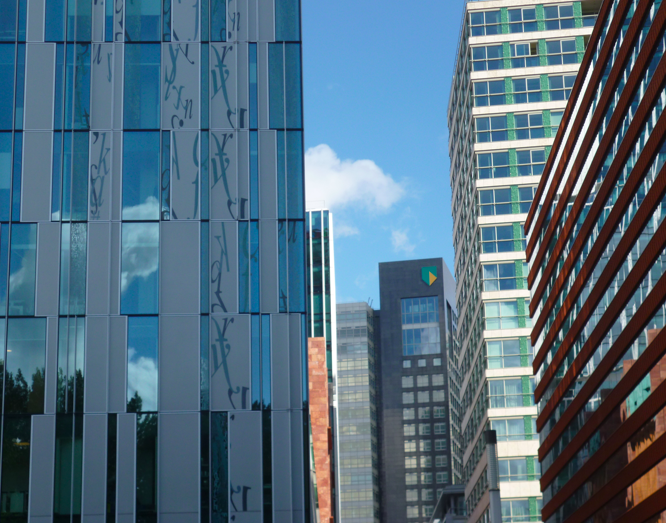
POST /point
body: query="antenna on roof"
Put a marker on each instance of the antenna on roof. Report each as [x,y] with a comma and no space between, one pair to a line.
[370,302]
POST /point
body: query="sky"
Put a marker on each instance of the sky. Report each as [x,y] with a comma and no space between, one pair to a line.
[376,78]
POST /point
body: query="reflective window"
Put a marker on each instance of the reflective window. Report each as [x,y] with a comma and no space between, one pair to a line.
[142,19]
[68,467]
[426,478]
[15,467]
[425,445]
[493,165]
[410,462]
[406,364]
[7,59]
[5,174]
[437,362]
[491,129]
[141,175]
[4,261]
[526,90]
[485,23]
[442,477]
[407,397]
[424,412]
[409,430]
[427,494]
[412,494]
[438,395]
[424,429]
[509,393]
[501,238]
[525,54]
[407,382]
[440,428]
[531,162]
[514,470]
[71,351]
[440,444]
[495,201]
[437,380]
[424,340]
[515,510]
[489,93]
[424,397]
[8,20]
[560,86]
[140,267]
[502,277]
[412,510]
[555,121]
[22,269]
[426,461]
[506,353]
[146,467]
[529,126]
[142,347]
[514,429]
[559,17]
[487,58]
[441,461]
[561,52]
[142,86]
[420,310]
[73,263]
[407,414]
[522,20]
[410,445]
[25,365]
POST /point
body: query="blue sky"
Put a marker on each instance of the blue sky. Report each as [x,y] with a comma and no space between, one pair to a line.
[377,76]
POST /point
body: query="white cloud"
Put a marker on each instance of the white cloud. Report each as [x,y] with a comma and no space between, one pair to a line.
[142,378]
[342,183]
[140,252]
[340,230]
[401,242]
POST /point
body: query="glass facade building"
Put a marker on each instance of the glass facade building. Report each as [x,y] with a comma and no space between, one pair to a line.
[516,66]
[597,253]
[358,389]
[152,262]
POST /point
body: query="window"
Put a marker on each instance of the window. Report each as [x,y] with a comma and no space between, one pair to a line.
[426,462]
[440,429]
[491,129]
[493,165]
[526,90]
[504,315]
[424,397]
[424,429]
[410,462]
[22,269]
[423,340]
[441,461]
[407,382]
[424,412]
[142,358]
[440,444]
[437,362]
[143,21]
[427,510]
[440,412]
[525,198]
[426,478]
[412,494]
[485,23]
[560,86]
[412,511]
[438,395]
[422,363]
[513,429]
[407,413]
[442,477]
[425,445]
[529,126]
[488,58]
[437,380]
[531,162]
[489,93]
[560,52]
[409,429]
[515,510]
[407,398]
[410,445]
[25,364]
[420,310]
[493,202]
[508,393]
[524,54]
[506,353]
[501,238]
[140,268]
[406,364]
[555,121]
[426,494]
[422,381]
[514,469]
[559,17]
[522,20]
[502,277]
[411,478]
[142,86]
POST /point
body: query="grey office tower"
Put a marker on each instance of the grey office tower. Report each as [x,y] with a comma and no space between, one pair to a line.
[152,289]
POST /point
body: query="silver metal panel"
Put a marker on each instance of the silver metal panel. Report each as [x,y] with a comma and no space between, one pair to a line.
[266,20]
[93,498]
[281,436]
[98,20]
[99,259]
[40,519]
[267,175]
[192,517]
[101,156]
[103,81]
[116,178]
[48,271]
[39,91]
[244,175]
[252,20]
[118,66]
[36,180]
[118,20]
[282,516]
[96,364]
[114,288]
[179,267]
[179,465]
[245,465]
[185,176]
[180,84]
[297,450]
[295,361]
[93,518]
[262,84]
[280,364]
[268,265]
[224,202]
[243,80]
[237,20]
[223,84]
[117,363]
[35,23]
[51,372]
[126,466]
[179,378]
[42,457]
[223,267]
[229,362]
[185,21]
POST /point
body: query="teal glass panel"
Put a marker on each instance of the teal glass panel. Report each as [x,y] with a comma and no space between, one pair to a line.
[254,266]
[66,197]
[59,85]
[218,20]
[84,19]
[205,54]
[82,79]
[292,88]
[140,268]
[205,20]
[254,117]
[141,176]
[146,468]
[243,267]
[205,188]
[22,269]
[5,174]
[254,175]
[142,349]
[71,353]
[56,174]
[204,278]
[79,187]
[108,21]
[296,245]
[295,190]
[219,473]
[7,60]
[283,269]
[266,361]
[287,20]
[205,466]
[166,21]
[16,177]
[22,19]
[281,137]
[256,361]
[8,20]
[15,469]
[144,176]
[25,365]
[4,265]
[142,86]
[68,467]
[276,85]
[20,87]
[143,20]
[204,368]
[73,262]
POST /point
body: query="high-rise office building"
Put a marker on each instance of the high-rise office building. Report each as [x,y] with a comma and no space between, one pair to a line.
[597,253]
[152,262]
[357,442]
[417,313]
[517,62]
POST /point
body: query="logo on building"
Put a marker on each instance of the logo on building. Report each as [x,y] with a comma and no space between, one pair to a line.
[429,275]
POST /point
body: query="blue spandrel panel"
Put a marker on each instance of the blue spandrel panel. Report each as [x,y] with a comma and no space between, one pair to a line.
[7,61]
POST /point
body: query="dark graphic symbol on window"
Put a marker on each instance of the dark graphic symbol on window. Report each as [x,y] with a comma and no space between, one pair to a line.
[221,351]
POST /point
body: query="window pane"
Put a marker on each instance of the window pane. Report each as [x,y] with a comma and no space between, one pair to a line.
[26,362]
[143,20]
[140,262]
[142,86]
[22,270]
[141,169]
[142,343]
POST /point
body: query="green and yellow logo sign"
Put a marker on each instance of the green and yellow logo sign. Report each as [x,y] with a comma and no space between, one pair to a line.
[429,275]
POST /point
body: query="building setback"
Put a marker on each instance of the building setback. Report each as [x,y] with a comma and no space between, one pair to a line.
[596,247]
[152,262]
[517,62]
[417,306]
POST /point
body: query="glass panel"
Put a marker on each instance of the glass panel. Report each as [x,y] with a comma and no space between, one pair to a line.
[7,57]
[218,20]
[143,20]
[142,86]
[22,270]
[15,468]
[276,85]
[142,346]
[5,173]
[219,466]
[26,362]
[73,263]
[141,169]
[292,65]
[146,468]
[287,20]
[140,268]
